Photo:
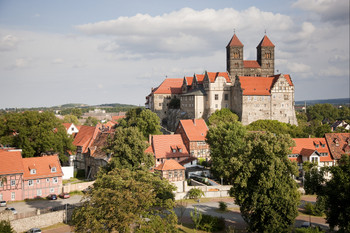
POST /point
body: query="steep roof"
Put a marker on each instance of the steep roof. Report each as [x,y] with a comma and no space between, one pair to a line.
[189,80]
[339,144]
[170,86]
[213,75]
[168,165]
[11,162]
[43,167]
[250,64]
[163,146]
[195,129]
[265,42]
[260,85]
[85,137]
[306,146]
[235,42]
[67,125]
[200,78]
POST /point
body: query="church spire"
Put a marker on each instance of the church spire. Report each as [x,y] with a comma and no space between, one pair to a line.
[235,42]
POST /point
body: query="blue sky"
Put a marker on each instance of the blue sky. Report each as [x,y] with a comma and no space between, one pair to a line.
[95,52]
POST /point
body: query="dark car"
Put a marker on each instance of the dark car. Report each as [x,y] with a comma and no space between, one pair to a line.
[52,197]
[14,211]
[64,195]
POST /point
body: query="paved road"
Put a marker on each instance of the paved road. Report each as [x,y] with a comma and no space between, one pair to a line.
[32,205]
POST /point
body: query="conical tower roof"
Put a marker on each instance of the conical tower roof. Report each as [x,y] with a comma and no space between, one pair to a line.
[266,42]
[235,42]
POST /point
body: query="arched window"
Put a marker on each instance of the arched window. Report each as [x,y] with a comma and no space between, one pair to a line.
[268,55]
[235,54]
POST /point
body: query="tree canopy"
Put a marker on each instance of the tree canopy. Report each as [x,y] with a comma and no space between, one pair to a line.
[128,150]
[71,119]
[144,119]
[91,121]
[337,195]
[122,200]
[35,133]
[222,116]
[263,185]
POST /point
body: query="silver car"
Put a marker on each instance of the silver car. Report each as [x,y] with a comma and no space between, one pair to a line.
[34,230]
[14,211]
[2,203]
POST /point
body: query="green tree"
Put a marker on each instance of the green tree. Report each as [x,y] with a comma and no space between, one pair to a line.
[122,200]
[128,150]
[225,140]
[174,103]
[35,133]
[195,193]
[322,112]
[91,121]
[263,184]
[337,196]
[196,217]
[313,178]
[144,119]
[77,112]
[5,226]
[71,119]
[221,116]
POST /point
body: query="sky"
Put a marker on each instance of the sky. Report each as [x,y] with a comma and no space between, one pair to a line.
[112,51]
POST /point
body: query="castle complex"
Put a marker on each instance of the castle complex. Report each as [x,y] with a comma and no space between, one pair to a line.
[249,88]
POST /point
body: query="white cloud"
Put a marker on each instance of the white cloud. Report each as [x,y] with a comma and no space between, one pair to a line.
[334,11]
[57,61]
[8,42]
[22,62]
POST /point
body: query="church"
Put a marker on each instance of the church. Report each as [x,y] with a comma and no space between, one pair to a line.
[250,88]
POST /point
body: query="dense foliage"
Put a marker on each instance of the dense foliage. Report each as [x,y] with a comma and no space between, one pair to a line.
[144,119]
[35,133]
[195,193]
[314,178]
[5,226]
[128,150]
[71,119]
[91,121]
[122,200]
[222,116]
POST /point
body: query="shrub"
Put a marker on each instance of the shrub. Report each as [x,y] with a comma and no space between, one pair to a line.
[222,206]
[211,223]
[309,208]
[5,226]
[195,193]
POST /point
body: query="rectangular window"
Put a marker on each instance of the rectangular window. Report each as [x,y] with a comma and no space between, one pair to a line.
[13,196]
[47,180]
[216,96]
[53,169]
[55,180]
[160,104]
[30,182]
[52,190]
[32,171]
[38,192]
[13,182]
[1,183]
[1,196]
[38,181]
[226,96]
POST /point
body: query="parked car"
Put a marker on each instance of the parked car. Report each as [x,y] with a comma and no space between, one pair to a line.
[52,197]
[14,211]
[34,230]
[2,203]
[64,195]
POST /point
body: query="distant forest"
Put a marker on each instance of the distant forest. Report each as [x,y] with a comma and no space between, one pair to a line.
[337,102]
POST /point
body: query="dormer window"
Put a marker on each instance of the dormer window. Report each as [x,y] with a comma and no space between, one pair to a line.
[174,150]
[53,169]
[180,150]
[32,171]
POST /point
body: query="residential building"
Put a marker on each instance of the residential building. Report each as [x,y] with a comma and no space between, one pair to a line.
[339,144]
[171,170]
[165,147]
[71,128]
[193,133]
[341,124]
[249,88]
[42,176]
[11,175]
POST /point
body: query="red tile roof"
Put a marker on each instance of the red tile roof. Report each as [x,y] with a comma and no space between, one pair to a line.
[170,86]
[213,75]
[169,165]
[162,144]
[116,118]
[85,137]
[10,162]
[195,129]
[250,64]
[43,167]
[306,146]
[286,76]
[67,125]
[340,139]
[189,80]
[199,78]
[235,41]
[266,42]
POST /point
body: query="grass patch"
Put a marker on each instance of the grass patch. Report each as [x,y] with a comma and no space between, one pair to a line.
[73,181]
[57,225]
[194,201]
[76,192]
[188,228]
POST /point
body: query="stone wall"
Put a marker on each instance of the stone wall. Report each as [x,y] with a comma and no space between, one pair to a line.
[209,191]
[39,221]
[76,187]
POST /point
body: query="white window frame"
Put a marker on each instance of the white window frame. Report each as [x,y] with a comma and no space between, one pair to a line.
[38,181]
[30,183]
[47,180]
[54,180]
[39,192]
[32,171]
[13,196]
[53,169]
[52,190]
[13,182]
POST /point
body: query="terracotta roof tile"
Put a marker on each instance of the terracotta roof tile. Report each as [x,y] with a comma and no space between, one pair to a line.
[116,118]
[306,146]
[256,85]
[266,42]
[339,144]
[250,64]
[170,86]
[161,145]
[199,78]
[10,162]
[213,75]
[235,42]
[85,137]
[67,125]
[189,80]
[195,129]
[42,166]
[169,164]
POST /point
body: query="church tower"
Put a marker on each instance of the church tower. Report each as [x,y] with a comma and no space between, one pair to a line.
[234,57]
[266,56]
